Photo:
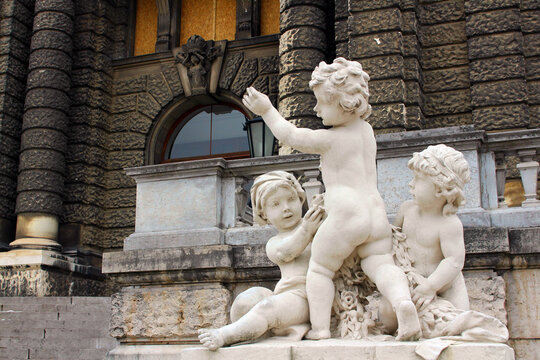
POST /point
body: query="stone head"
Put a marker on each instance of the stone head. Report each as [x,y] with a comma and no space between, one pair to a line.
[447,169]
[272,187]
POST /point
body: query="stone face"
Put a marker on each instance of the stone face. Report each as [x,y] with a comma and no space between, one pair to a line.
[375,45]
[168,313]
[246,75]
[230,68]
[440,12]
[383,67]
[493,21]
[294,83]
[375,21]
[443,34]
[386,91]
[384,116]
[302,16]
[300,59]
[129,86]
[297,105]
[304,37]
[448,102]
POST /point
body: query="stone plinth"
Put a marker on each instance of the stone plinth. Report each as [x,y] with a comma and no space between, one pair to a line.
[47,273]
[309,350]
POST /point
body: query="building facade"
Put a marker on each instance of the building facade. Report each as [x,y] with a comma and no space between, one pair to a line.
[90,88]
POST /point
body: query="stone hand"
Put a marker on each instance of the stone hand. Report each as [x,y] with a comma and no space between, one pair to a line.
[423,295]
[313,219]
[257,102]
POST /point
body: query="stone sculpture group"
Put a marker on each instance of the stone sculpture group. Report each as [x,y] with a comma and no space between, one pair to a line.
[343,257]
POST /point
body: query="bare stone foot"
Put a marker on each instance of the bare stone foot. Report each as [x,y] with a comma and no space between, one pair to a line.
[408,323]
[318,335]
[211,338]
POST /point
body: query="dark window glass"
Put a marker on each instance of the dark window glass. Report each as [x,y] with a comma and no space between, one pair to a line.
[210,131]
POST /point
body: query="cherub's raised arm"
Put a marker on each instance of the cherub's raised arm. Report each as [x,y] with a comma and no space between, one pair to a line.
[303,139]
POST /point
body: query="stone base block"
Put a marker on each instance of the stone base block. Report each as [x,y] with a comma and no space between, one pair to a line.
[332,349]
[47,273]
[174,239]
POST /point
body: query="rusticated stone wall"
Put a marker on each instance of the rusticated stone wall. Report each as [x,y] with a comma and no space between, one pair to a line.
[16,20]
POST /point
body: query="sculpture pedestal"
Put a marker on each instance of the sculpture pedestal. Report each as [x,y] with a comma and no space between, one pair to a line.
[332,349]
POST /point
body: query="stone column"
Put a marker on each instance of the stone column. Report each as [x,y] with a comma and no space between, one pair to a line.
[43,141]
[302,46]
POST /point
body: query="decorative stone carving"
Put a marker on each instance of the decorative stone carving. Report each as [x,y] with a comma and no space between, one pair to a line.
[199,64]
[276,198]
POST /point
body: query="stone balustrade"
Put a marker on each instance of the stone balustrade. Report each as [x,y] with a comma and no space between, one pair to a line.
[206,202]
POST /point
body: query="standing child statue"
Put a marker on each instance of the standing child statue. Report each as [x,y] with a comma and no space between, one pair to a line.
[357,218]
[276,198]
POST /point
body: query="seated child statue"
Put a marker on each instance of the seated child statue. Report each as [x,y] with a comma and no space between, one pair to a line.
[277,199]
[357,218]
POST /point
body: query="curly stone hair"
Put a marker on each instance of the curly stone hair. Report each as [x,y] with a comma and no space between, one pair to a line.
[448,170]
[347,80]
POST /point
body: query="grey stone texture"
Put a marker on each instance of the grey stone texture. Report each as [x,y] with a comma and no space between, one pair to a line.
[55,327]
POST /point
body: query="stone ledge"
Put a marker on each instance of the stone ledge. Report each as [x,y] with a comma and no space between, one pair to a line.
[326,349]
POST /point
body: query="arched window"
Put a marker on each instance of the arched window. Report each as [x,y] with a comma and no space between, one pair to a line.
[205,132]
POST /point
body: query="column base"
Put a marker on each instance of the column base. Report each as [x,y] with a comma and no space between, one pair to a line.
[36,244]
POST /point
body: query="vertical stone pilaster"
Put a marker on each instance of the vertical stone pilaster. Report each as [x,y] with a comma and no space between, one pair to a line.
[377,40]
[43,140]
[302,46]
[497,65]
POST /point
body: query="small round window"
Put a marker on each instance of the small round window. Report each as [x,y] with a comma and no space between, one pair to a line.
[207,132]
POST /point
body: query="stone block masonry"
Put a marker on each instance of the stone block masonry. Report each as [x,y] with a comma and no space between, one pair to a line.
[55,328]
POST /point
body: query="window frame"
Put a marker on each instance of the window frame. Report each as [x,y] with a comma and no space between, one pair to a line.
[182,118]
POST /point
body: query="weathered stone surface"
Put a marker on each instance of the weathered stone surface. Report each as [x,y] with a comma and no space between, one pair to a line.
[523,289]
[495,45]
[302,16]
[42,180]
[534,116]
[300,59]
[486,293]
[443,34]
[385,116]
[44,139]
[21,284]
[89,135]
[530,21]
[486,240]
[297,105]
[114,238]
[524,241]
[479,5]
[39,201]
[42,159]
[91,59]
[448,120]
[297,82]
[90,155]
[409,22]
[411,46]
[448,102]
[82,213]
[168,312]
[261,84]
[415,119]
[129,86]
[130,121]
[304,37]
[446,79]
[170,72]
[121,217]
[146,104]
[529,4]
[9,146]
[95,98]
[413,94]
[47,98]
[273,84]
[444,56]
[441,11]
[14,47]
[412,70]
[525,348]
[533,68]
[340,30]
[268,65]
[49,58]
[10,126]
[230,68]
[118,179]
[383,67]
[376,44]
[386,91]
[375,21]
[497,68]
[246,75]
[500,92]
[57,21]
[124,103]
[116,198]
[342,49]
[501,117]
[372,5]
[531,44]
[157,87]
[533,92]
[127,141]
[285,4]
[493,21]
